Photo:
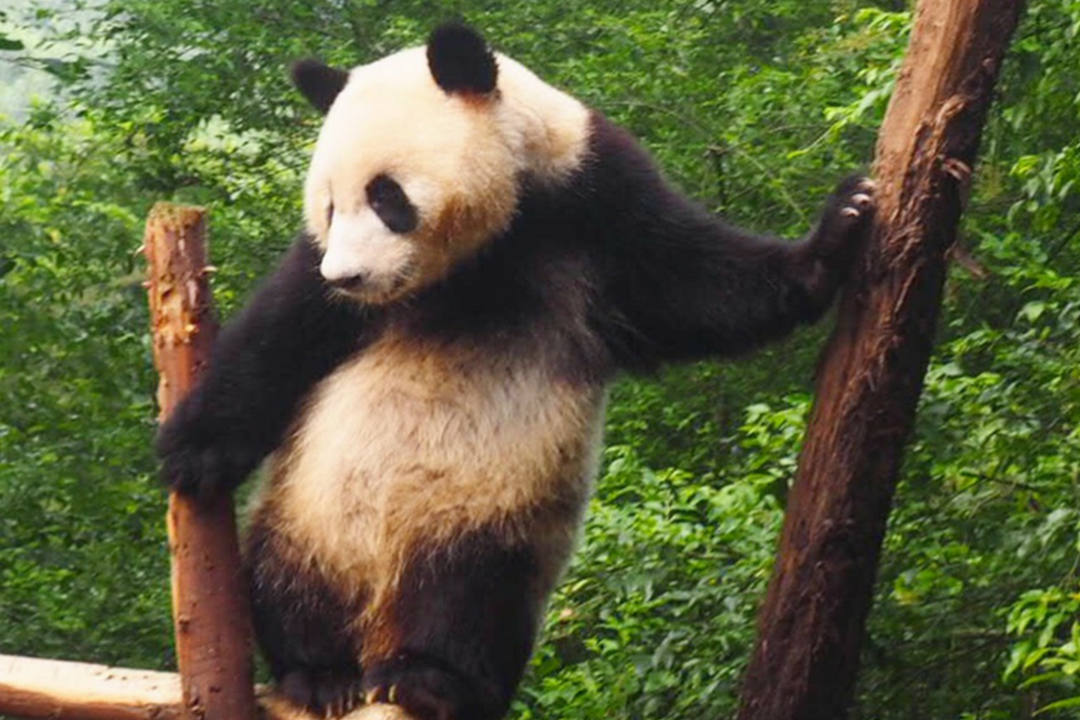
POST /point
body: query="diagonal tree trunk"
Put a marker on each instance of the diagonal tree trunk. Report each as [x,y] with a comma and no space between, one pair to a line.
[811,626]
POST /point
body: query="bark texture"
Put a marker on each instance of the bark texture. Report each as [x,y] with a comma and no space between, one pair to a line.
[811,626]
[210,607]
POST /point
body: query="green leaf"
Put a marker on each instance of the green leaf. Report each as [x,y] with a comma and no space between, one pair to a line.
[1073,702]
[1032,311]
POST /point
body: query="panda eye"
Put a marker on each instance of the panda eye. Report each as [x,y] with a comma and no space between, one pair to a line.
[391,204]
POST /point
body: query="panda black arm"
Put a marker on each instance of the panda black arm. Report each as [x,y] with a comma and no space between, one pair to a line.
[680,284]
[289,336]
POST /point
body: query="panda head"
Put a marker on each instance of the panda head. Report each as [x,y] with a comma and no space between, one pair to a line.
[423,156]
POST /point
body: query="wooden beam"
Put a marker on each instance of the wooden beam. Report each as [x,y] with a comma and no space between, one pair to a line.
[811,626]
[38,689]
[31,688]
[210,606]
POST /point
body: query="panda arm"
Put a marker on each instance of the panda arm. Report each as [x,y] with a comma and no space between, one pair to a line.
[680,284]
[288,337]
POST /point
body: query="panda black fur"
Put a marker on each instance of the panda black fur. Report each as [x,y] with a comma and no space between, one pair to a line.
[427,368]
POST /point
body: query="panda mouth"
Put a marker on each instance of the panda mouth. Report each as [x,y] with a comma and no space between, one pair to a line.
[351,284]
[376,291]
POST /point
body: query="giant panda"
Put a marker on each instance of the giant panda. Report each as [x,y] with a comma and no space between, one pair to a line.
[426,369]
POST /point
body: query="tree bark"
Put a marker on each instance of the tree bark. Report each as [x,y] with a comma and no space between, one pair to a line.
[812,623]
[210,606]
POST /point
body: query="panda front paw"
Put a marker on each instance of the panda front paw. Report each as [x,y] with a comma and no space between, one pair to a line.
[847,217]
[199,462]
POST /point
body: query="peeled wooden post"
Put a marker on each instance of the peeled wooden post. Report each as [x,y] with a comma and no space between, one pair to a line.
[811,626]
[210,608]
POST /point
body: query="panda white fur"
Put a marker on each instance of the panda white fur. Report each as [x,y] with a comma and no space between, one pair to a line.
[426,369]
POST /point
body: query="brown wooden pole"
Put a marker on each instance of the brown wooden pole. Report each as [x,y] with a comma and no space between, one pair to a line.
[210,607]
[811,626]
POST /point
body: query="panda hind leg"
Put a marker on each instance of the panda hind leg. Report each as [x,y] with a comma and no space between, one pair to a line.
[325,692]
[454,642]
[423,687]
[303,628]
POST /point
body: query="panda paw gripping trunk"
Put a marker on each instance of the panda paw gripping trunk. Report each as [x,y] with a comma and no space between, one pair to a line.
[423,376]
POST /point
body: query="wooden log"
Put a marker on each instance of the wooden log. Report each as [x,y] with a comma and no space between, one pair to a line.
[210,606]
[811,626]
[35,689]
[32,688]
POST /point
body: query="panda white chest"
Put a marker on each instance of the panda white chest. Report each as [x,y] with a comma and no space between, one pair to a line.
[409,442]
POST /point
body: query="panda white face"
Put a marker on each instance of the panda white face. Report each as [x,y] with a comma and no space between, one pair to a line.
[421,160]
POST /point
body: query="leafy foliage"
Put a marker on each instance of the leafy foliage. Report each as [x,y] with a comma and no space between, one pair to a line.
[82,565]
[756,108]
[664,555]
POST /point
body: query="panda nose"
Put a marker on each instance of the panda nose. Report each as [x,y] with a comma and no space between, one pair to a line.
[349,282]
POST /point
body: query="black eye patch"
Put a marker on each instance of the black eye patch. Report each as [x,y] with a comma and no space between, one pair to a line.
[391,204]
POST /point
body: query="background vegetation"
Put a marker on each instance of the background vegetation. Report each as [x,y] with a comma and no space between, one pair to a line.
[756,108]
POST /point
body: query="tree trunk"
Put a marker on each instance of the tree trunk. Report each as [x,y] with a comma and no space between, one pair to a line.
[812,623]
[210,607]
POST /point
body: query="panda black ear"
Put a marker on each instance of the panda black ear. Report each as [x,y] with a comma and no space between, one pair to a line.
[460,60]
[318,82]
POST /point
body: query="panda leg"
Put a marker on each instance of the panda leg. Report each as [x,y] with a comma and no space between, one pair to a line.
[454,642]
[303,627]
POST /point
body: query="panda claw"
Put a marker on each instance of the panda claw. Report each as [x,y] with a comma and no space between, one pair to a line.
[350,699]
[844,221]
